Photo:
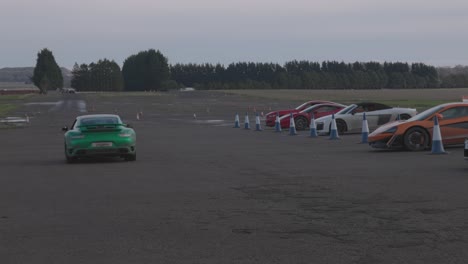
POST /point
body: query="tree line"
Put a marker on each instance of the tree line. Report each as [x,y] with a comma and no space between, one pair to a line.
[150,70]
[453,77]
[104,75]
[306,75]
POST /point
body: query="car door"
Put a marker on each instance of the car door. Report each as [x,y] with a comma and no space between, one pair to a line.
[453,125]
[376,115]
[354,119]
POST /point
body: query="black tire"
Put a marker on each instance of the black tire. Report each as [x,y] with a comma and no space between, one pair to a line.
[341,126]
[416,139]
[301,123]
[130,157]
[68,158]
[405,116]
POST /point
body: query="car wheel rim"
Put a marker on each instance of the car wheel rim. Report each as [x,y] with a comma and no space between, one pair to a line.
[300,124]
[341,127]
[416,139]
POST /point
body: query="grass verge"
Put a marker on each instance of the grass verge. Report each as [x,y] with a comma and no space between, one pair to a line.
[11,97]
[124,94]
[6,108]
[414,98]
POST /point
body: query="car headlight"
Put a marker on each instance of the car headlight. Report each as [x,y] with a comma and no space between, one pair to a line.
[125,135]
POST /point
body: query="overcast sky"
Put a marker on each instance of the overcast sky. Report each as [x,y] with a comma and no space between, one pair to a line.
[225,31]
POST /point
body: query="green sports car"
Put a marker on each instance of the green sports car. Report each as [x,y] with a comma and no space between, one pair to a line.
[99,135]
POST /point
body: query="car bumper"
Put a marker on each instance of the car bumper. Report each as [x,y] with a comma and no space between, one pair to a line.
[322,128]
[101,152]
[84,148]
[391,142]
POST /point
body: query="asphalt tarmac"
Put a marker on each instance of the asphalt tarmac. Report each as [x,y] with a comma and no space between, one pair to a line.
[204,192]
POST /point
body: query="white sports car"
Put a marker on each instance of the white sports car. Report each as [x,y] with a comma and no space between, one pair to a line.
[349,119]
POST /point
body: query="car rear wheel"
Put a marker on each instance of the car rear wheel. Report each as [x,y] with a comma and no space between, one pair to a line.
[416,139]
[68,158]
[300,123]
[130,157]
[341,126]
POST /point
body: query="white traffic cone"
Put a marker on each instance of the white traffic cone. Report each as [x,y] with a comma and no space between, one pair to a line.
[292,126]
[365,129]
[27,118]
[437,146]
[246,121]
[257,122]
[236,121]
[277,123]
[313,127]
[138,116]
[333,130]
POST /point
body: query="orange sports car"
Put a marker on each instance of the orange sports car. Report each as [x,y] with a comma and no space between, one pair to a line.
[416,133]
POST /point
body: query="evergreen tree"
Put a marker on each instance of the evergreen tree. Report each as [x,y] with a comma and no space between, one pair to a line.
[47,74]
[104,75]
[147,70]
[309,75]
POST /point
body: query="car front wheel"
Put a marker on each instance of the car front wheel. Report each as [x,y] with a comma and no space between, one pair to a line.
[416,139]
[300,123]
[341,126]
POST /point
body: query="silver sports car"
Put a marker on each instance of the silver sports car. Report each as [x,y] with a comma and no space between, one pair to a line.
[349,119]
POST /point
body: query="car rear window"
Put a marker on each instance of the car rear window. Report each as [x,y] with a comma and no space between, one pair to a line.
[99,121]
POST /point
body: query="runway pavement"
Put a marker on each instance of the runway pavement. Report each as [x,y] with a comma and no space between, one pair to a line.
[204,192]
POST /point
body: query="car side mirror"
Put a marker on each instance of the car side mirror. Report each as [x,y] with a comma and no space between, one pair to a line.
[440,116]
[65,129]
[129,125]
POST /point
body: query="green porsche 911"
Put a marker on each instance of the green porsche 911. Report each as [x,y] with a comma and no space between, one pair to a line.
[99,135]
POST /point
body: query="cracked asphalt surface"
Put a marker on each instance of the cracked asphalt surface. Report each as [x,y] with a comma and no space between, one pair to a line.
[204,192]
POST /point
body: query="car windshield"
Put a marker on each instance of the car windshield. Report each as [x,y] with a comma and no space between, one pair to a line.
[425,114]
[105,120]
[347,109]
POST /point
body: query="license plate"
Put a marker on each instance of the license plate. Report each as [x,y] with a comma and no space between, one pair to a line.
[102,144]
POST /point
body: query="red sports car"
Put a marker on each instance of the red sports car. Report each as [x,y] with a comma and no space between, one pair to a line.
[271,116]
[302,118]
